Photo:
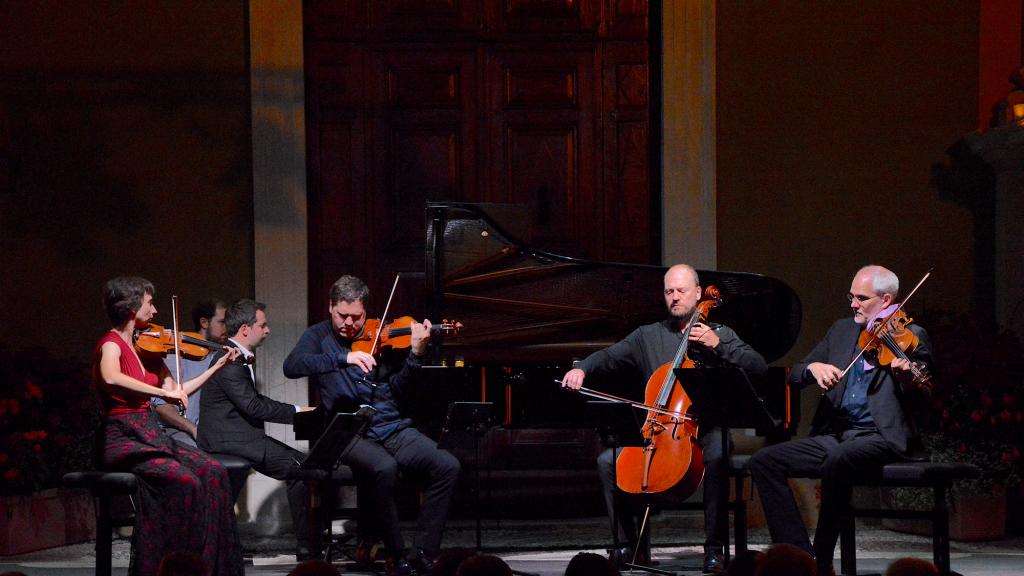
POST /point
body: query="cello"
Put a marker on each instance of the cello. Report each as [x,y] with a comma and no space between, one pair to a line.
[670,461]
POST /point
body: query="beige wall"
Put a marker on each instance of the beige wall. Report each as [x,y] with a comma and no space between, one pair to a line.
[830,117]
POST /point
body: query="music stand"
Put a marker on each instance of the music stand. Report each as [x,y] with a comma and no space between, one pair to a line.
[469,417]
[325,456]
[336,441]
[725,397]
[619,427]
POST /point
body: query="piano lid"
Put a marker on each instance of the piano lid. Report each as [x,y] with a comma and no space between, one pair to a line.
[521,304]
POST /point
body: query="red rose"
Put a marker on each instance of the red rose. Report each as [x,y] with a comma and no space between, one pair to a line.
[3,458]
[11,474]
[977,415]
[1012,455]
[37,448]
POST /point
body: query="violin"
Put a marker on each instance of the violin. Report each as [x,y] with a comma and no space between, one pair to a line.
[157,340]
[671,459]
[376,337]
[891,339]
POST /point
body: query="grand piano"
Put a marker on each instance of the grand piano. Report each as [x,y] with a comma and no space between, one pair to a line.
[528,314]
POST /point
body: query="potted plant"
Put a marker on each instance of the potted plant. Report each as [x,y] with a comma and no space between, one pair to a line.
[975,415]
[48,419]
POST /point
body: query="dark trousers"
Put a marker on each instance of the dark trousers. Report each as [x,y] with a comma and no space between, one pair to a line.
[280,462]
[377,466]
[835,458]
[716,493]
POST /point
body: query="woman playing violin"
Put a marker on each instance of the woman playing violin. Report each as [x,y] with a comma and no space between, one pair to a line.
[186,503]
[347,379]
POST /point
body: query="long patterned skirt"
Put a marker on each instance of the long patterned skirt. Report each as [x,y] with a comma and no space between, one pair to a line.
[185,500]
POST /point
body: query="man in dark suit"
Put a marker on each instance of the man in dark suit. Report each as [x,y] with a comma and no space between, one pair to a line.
[862,421]
[234,413]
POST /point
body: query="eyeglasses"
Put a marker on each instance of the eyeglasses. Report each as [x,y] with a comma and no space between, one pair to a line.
[860,297]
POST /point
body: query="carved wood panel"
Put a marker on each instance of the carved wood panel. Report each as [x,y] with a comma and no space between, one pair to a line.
[542,144]
[498,100]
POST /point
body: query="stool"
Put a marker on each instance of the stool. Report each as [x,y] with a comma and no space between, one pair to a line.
[104,486]
[938,476]
[322,507]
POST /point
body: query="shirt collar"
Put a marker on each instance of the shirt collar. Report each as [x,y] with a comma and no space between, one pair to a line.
[245,351]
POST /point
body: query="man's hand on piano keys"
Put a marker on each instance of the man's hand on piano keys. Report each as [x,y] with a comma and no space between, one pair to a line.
[306,408]
[365,361]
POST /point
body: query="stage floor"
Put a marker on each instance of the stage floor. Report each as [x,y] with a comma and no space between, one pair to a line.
[544,547]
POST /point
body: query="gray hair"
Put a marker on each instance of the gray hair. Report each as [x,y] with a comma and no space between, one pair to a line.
[883,280]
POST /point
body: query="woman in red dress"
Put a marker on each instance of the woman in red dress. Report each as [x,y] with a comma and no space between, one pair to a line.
[185,502]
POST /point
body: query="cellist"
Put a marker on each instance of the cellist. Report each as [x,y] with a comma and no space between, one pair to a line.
[642,352]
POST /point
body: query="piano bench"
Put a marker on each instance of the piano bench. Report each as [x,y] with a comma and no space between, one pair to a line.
[105,487]
[238,471]
[938,476]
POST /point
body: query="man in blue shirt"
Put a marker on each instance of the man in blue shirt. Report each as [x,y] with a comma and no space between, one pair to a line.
[348,379]
[208,319]
[862,421]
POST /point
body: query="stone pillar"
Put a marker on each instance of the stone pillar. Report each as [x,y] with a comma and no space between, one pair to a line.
[1002,150]
[279,205]
[688,123]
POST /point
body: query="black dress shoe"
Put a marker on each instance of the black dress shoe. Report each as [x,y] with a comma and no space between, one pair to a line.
[421,561]
[628,555]
[303,553]
[619,557]
[714,562]
[400,567]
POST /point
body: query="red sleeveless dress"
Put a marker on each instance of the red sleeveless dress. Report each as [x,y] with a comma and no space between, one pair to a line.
[184,502]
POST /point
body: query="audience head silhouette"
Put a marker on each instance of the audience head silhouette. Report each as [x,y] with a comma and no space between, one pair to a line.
[483,565]
[182,564]
[911,567]
[590,564]
[786,560]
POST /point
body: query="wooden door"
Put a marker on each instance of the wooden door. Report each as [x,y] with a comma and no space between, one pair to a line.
[538,102]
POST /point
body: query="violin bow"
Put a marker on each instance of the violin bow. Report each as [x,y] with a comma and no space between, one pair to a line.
[376,338]
[882,326]
[611,397]
[177,348]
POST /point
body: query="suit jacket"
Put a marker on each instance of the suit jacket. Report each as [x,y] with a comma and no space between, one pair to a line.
[233,413]
[888,399]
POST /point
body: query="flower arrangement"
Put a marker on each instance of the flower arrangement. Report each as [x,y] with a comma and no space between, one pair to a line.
[976,410]
[48,419]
